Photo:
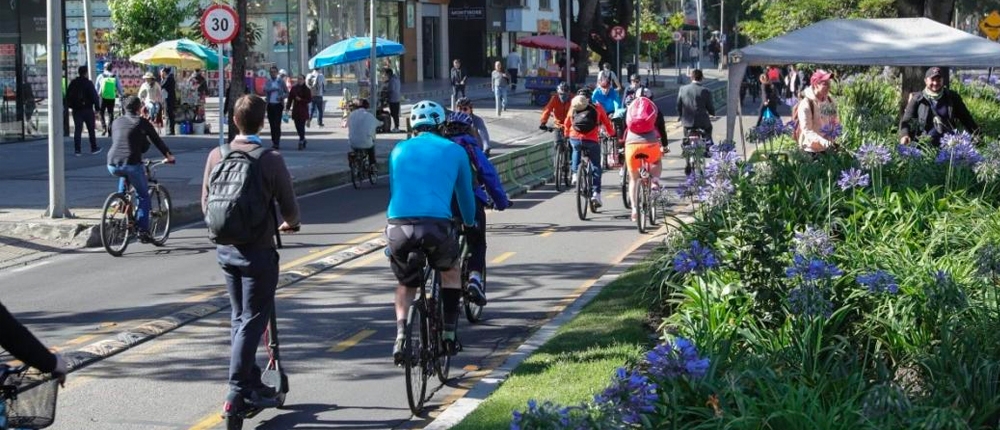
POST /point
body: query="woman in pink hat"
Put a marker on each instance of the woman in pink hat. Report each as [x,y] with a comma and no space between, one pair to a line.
[816,114]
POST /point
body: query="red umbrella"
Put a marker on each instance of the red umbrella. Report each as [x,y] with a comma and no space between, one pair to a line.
[547,41]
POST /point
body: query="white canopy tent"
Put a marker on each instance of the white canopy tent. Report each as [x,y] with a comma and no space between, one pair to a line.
[877,42]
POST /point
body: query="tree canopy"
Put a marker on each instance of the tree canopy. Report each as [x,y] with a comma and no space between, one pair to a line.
[770,18]
[140,24]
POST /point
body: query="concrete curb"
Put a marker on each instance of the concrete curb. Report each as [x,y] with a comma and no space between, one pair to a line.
[464,406]
[125,340]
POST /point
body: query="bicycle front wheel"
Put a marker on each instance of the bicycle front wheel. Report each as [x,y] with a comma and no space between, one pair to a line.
[582,191]
[414,358]
[159,214]
[625,200]
[372,173]
[115,224]
[355,173]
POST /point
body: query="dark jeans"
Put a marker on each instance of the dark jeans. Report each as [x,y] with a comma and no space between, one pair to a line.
[394,111]
[513,78]
[136,175]
[456,90]
[300,128]
[251,279]
[108,105]
[316,108]
[274,111]
[83,117]
[477,241]
[170,114]
[593,150]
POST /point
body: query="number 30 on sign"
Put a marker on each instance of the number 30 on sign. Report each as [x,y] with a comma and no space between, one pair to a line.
[219,24]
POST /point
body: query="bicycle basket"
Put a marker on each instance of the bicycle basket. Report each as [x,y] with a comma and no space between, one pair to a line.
[34,408]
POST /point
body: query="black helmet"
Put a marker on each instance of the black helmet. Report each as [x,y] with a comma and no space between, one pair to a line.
[584,91]
[463,102]
[562,88]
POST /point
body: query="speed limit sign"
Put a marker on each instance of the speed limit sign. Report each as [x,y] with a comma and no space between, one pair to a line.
[219,24]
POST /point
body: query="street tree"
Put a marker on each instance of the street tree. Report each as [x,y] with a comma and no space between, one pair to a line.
[591,29]
[140,24]
[939,10]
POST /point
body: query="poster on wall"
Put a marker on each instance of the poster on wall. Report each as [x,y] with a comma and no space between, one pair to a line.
[691,12]
[280,40]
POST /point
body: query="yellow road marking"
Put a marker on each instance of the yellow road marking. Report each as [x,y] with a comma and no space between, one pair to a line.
[503,257]
[352,341]
[320,254]
[470,368]
[208,422]
[547,232]
[81,339]
[375,256]
[200,297]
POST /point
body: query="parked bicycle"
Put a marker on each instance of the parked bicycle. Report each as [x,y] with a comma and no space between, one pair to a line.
[560,168]
[585,186]
[645,206]
[119,214]
[361,168]
[26,401]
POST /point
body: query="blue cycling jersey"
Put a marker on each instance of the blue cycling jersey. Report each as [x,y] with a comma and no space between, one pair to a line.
[425,172]
[608,101]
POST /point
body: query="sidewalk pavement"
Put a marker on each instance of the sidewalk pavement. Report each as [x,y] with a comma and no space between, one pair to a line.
[26,235]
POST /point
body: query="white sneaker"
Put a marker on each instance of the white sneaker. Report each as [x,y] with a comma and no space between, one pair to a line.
[574,179]
[621,172]
[596,198]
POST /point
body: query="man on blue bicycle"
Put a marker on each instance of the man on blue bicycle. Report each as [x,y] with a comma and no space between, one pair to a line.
[489,192]
[420,216]
[131,136]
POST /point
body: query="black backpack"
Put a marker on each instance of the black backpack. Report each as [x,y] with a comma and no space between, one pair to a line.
[237,210]
[585,121]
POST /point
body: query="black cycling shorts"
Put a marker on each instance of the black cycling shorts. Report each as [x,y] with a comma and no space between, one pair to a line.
[437,240]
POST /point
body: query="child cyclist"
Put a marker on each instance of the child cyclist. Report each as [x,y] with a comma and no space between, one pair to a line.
[642,137]
[489,192]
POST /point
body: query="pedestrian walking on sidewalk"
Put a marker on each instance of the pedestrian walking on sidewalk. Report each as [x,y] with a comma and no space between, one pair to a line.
[82,98]
[513,67]
[169,88]
[316,83]
[276,92]
[501,83]
[457,82]
[298,103]
[249,262]
[109,87]
[395,96]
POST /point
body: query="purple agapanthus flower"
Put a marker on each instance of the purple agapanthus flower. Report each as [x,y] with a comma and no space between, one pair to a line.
[879,281]
[679,358]
[853,177]
[812,269]
[872,156]
[696,259]
[689,188]
[631,394]
[812,242]
[953,139]
[961,154]
[909,151]
[791,101]
[831,131]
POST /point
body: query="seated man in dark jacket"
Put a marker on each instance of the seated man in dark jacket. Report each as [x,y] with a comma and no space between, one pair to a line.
[934,112]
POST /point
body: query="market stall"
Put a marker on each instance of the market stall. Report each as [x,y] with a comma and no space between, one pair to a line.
[543,81]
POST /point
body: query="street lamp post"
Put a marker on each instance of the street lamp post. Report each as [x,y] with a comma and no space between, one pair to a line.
[701,44]
[567,31]
[371,62]
[57,165]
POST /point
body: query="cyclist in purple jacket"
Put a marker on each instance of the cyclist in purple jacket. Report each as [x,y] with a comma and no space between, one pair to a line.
[489,192]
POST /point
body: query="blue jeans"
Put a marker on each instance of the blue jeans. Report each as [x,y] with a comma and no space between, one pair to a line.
[316,108]
[500,95]
[136,175]
[251,279]
[593,150]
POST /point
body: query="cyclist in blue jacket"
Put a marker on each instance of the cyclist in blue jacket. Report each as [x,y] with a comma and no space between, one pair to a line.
[489,192]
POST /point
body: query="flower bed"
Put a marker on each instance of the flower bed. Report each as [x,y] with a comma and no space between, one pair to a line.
[855,290]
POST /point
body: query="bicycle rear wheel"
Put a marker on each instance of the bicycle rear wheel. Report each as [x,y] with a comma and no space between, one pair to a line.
[642,206]
[355,172]
[557,171]
[159,214]
[582,191]
[372,173]
[625,201]
[415,357]
[115,231]
[474,312]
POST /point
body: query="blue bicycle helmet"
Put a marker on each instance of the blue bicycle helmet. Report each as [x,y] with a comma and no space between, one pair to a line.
[426,114]
[458,123]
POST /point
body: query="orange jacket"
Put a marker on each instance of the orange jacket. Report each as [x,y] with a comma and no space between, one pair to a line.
[594,135]
[557,109]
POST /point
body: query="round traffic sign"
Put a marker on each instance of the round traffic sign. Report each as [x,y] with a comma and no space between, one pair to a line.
[618,33]
[219,24]
[678,36]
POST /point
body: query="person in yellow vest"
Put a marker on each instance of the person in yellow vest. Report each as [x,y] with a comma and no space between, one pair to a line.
[109,88]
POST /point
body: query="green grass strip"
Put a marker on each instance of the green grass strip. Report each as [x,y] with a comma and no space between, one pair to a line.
[580,359]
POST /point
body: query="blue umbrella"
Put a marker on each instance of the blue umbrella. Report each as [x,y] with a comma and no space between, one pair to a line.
[354,49]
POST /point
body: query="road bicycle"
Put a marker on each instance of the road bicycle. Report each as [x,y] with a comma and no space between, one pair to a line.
[27,401]
[361,168]
[273,376]
[695,147]
[585,186]
[560,166]
[119,214]
[609,160]
[645,207]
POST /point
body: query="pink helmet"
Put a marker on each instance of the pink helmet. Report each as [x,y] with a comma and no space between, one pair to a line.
[641,115]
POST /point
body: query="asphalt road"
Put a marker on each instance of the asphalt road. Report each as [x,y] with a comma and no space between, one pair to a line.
[336,327]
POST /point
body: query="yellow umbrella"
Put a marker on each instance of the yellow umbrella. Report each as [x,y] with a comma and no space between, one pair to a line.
[166,55]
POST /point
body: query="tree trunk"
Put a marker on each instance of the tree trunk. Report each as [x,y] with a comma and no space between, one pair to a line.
[239,64]
[938,10]
[589,10]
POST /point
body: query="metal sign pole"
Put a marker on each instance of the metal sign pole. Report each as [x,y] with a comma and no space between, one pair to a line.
[222,93]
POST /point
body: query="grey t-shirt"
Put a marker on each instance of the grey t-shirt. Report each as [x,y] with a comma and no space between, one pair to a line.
[500,79]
